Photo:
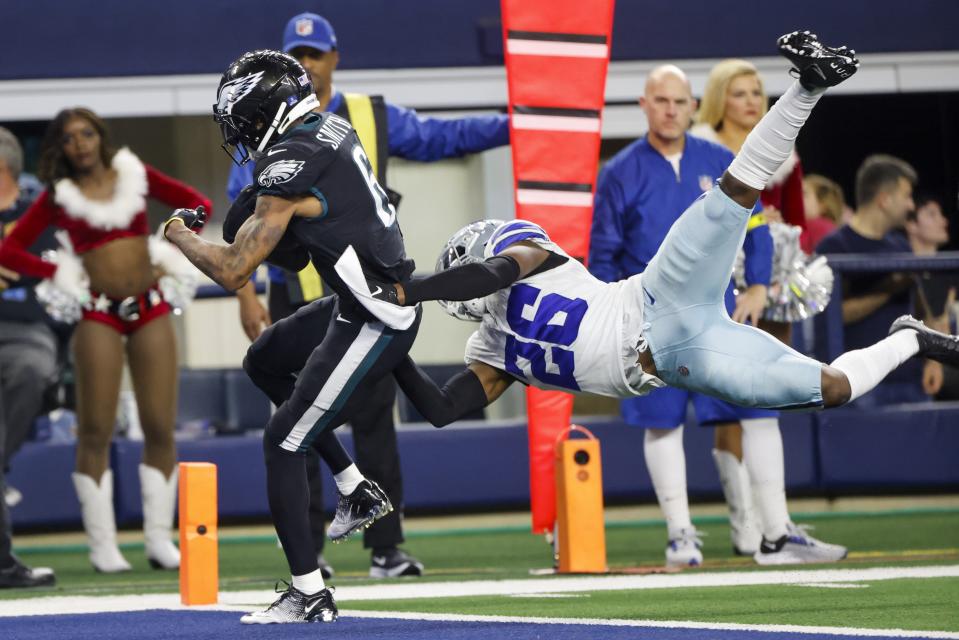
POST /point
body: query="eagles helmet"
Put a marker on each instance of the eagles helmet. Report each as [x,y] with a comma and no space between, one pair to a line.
[260,95]
[467,245]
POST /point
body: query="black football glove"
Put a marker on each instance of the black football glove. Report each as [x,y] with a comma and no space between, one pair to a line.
[192,219]
[383,291]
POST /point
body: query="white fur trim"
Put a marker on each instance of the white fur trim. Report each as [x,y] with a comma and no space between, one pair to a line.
[704,131]
[165,255]
[70,277]
[129,195]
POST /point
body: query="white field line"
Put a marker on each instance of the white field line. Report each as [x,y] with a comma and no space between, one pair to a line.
[667,624]
[578,584]
[242,600]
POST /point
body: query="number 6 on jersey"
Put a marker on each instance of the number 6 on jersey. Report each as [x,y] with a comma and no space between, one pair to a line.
[384,209]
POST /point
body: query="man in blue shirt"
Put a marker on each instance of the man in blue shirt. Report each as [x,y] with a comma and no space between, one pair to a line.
[884,187]
[640,194]
[385,129]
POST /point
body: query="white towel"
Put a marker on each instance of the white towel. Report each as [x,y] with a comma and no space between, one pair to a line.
[394,316]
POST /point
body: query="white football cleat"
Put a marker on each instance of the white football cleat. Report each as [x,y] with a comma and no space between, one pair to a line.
[685,550]
[798,547]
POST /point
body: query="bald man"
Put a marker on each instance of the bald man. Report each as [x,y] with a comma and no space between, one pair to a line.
[640,194]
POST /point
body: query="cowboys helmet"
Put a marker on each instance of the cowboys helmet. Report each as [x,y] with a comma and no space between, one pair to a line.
[260,95]
[467,245]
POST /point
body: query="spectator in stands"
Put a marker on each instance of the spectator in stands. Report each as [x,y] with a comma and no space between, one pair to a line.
[928,230]
[871,301]
[97,194]
[385,129]
[734,101]
[823,201]
[28,358]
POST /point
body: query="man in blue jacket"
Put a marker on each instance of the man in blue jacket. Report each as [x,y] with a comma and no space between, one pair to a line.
[385,129]
[640,194]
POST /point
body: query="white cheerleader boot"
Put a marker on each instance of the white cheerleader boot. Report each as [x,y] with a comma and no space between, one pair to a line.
[159,500]
[96,504]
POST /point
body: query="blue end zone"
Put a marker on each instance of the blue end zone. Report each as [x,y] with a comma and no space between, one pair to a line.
[196,625]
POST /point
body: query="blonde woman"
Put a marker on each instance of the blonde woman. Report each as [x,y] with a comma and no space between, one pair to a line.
[733,102]
[749,453]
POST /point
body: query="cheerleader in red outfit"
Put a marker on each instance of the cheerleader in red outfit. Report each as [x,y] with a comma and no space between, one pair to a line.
[98,196]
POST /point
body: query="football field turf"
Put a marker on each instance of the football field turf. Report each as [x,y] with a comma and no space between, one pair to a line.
[902,573]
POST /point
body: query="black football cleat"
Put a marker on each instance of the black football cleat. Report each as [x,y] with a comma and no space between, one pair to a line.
[20,576]
[394,563]
[817,65]
[933,344]
[295,606]
[367,504]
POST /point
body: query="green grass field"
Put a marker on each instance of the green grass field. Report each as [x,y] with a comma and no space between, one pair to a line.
[891,539]
[918,538]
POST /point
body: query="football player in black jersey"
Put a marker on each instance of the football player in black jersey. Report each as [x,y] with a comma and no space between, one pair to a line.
[316,195]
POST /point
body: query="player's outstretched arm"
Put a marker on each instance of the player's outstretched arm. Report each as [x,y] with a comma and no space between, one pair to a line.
[232,265]
[471,389]
[475,280]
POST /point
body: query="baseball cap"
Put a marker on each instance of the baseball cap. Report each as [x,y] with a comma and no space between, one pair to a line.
[309,30]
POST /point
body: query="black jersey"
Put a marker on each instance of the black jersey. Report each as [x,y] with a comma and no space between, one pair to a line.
[323,157]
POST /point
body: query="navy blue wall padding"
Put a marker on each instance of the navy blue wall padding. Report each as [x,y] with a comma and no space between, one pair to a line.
[915,446]
[201,395]
[247,408]
[477,465]
[122,38]
[41,472]
[241,475]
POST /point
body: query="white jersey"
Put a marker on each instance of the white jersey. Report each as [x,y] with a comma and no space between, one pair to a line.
[562,328]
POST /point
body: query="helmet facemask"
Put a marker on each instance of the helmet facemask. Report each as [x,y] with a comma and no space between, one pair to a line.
[465,247]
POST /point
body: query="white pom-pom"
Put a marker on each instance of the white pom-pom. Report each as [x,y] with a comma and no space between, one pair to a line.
[180,278]
[64,295]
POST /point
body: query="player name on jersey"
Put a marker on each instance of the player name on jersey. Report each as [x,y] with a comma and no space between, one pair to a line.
[334,131]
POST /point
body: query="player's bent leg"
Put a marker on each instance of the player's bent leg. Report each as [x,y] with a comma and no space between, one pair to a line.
[695,261]
[284,347]
[739,364]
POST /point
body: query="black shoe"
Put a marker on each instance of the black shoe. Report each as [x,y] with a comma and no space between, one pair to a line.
[359,510]
[933,344]
[20,576]
[325,569]
[817,65]
[295,606]
[393,563]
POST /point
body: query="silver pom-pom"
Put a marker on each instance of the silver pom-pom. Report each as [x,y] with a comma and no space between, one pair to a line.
[800,287]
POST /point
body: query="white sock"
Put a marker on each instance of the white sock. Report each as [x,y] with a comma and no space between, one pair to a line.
[763,456]
[865,368]
[736,489]
[348,479]
[310,583]
[771,141]
[666,461]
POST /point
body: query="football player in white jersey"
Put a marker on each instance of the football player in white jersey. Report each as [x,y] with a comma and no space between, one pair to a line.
[547,322]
